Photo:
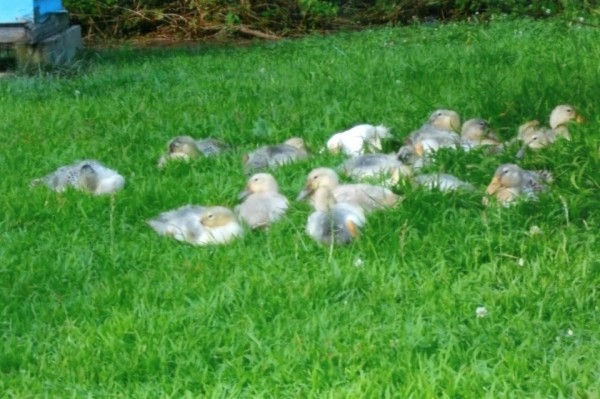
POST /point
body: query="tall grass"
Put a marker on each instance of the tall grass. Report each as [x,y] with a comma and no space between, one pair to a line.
[94,304]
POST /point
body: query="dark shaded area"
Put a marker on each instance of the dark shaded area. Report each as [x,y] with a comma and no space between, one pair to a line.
[269,19]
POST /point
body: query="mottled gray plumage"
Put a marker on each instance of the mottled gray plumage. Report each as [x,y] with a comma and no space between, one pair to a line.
[88,175]
[374,165]
[186,148]
[333,221]
[510,182]
[437,132]
[198,225]
[271,156]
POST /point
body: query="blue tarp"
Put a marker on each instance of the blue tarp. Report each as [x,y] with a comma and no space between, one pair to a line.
[19,11]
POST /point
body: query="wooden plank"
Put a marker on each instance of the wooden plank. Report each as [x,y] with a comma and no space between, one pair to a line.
[33,33]
[13,33]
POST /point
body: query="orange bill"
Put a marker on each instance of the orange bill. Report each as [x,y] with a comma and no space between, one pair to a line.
[494,186]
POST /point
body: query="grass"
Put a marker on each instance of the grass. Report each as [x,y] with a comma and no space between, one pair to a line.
[94,304]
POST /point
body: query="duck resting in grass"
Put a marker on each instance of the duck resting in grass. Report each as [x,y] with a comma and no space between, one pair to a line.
[358,139]
[367,196]
[333,222]
[198,225]
[272,156]
[89,175]
[186,148]
[511,182]
[375,166]
[262,203]
[439,131]
[534,136]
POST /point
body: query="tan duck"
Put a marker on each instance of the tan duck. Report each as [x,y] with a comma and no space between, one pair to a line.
[510,182]
[367,196]
[534,136]
[333,222]
[475,133]
[262,203]
[186,148]
[198,225]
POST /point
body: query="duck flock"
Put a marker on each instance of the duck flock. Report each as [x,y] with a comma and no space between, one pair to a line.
[339,209]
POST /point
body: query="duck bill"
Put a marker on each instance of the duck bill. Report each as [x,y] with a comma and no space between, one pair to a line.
[521,153]
[579,119]
[494,186]
[419,149]
[305,193]
[244,194]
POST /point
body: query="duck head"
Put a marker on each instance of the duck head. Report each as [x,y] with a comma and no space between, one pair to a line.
[184,146]
[216,216]
[260,183]
[563,114]
[320,177]
[507,176]
[445,119]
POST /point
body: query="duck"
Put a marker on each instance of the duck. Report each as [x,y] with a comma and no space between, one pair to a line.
[198,225]
[511,182]
[186,148]
[368,166]
[272,156]
[262,203]
[442,181]
[439,131]
[369,197]
[88,175]
[531,133]
[358,139]
[475,133]
[333,222]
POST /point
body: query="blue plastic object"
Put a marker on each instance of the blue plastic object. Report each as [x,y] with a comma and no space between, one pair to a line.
[23,11]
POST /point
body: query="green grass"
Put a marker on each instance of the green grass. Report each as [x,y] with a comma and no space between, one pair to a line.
[94,304]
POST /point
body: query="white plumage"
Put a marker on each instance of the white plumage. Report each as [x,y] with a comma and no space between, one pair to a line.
[198,225]
[358,139]
[263,204]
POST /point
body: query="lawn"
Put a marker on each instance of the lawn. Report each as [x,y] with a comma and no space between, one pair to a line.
[94,304]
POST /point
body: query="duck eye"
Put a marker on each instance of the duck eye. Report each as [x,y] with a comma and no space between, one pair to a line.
[210,215]
[315,177]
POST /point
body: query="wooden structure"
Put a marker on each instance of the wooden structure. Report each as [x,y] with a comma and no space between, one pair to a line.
[40,31]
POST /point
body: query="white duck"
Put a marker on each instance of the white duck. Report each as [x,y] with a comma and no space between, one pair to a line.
[263,204]
[367,196]
[198,225]
[186,148]
[88,175]
[359,138]
[271,156]
[333,222]
[511,182]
